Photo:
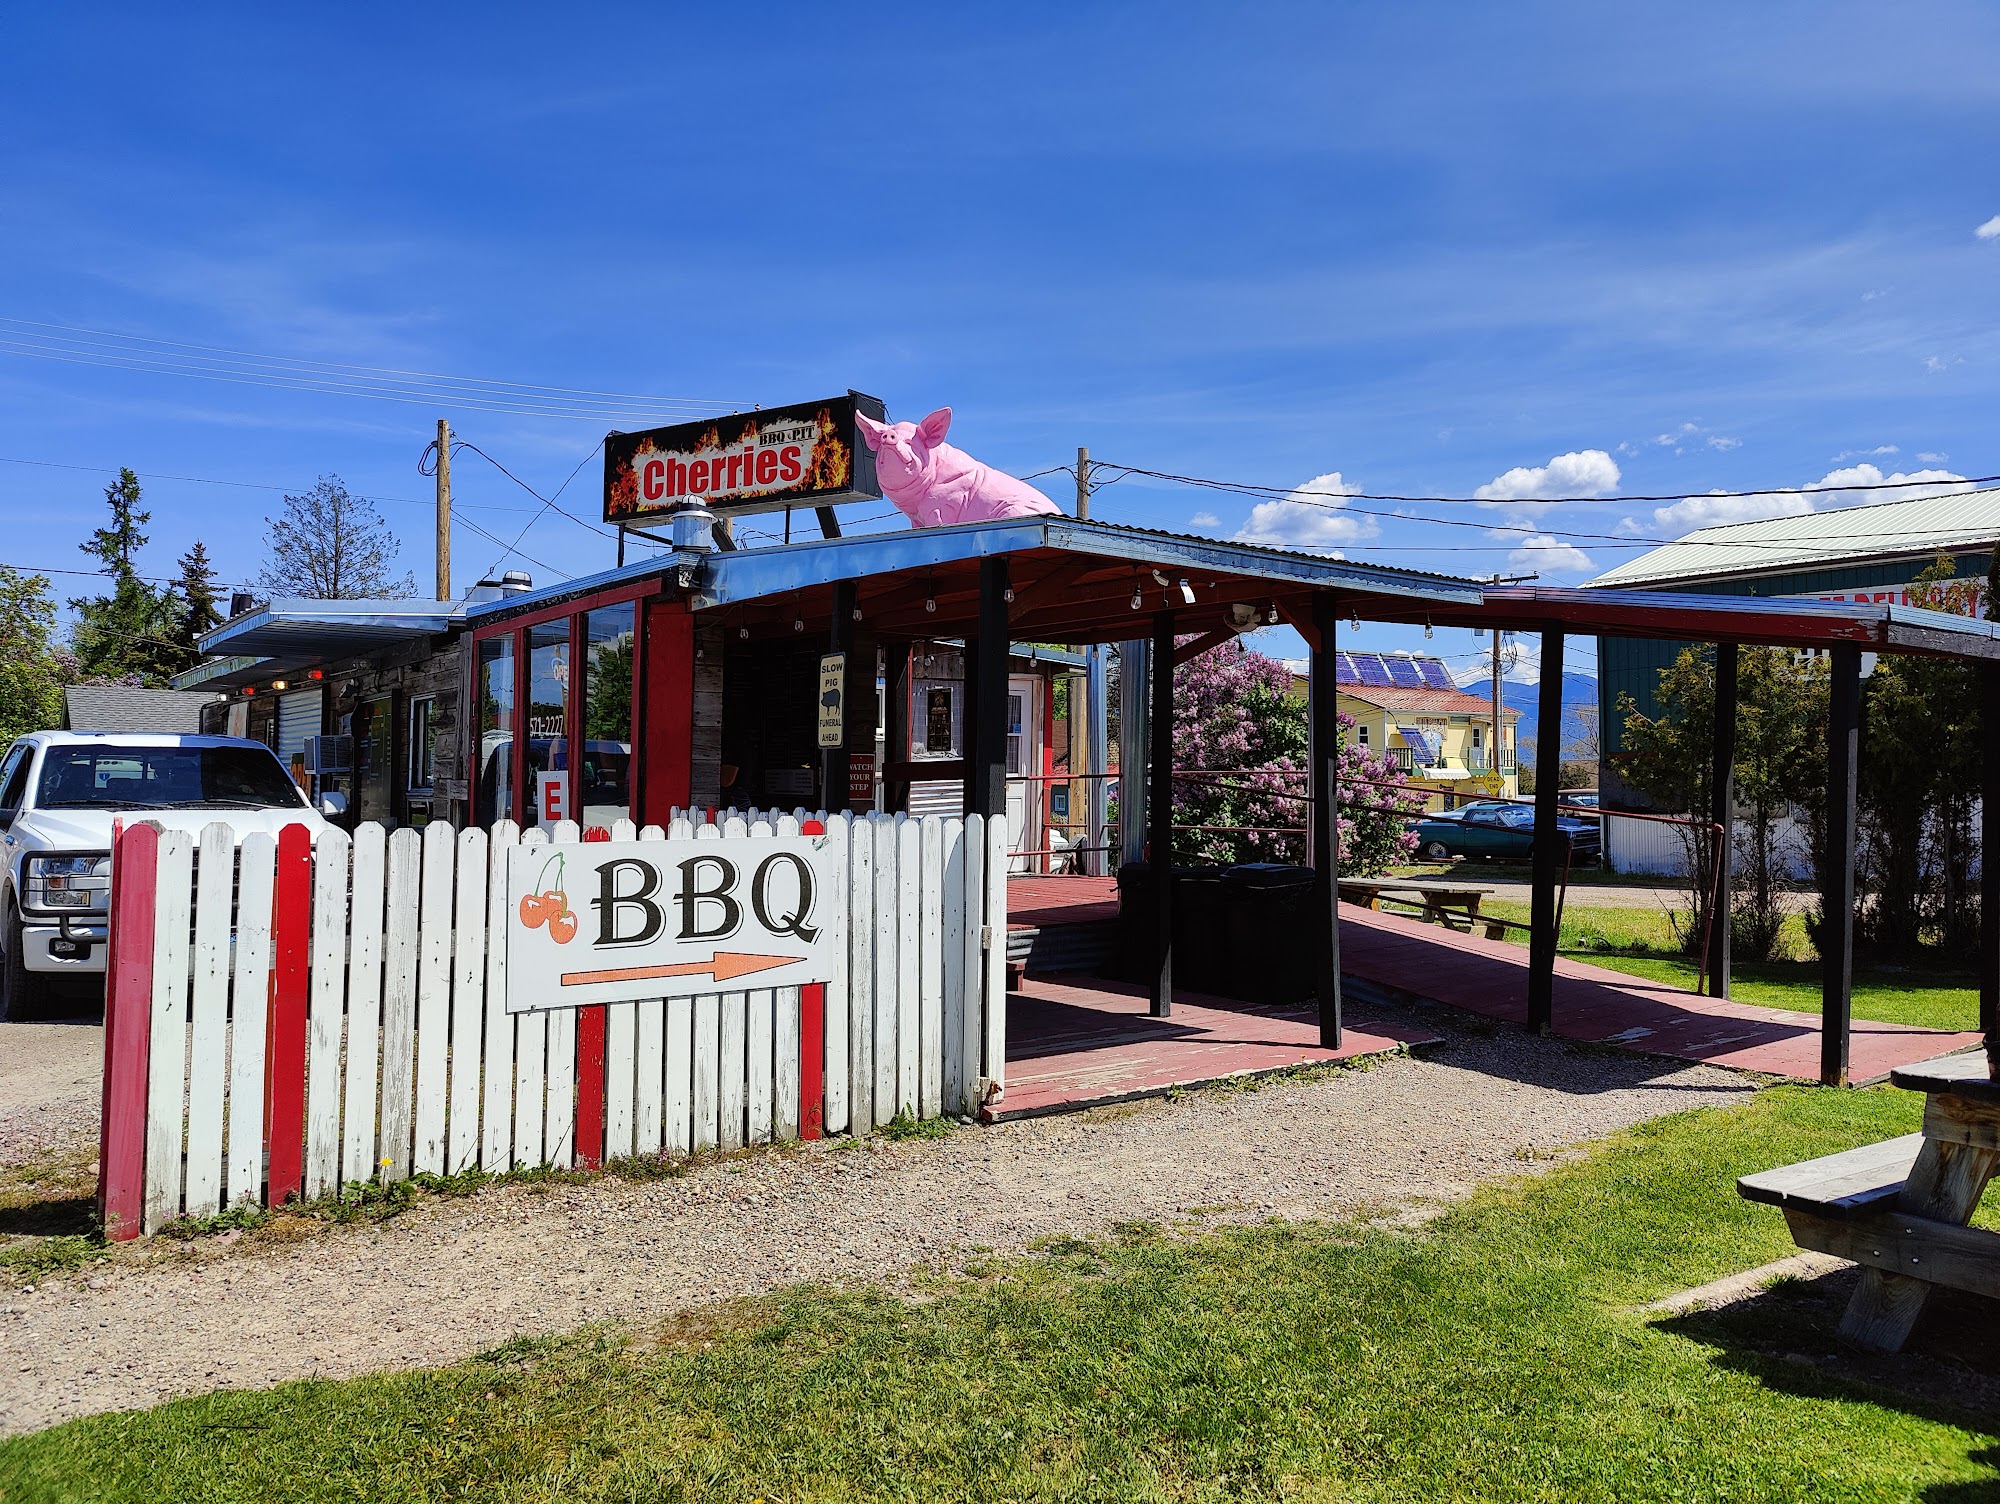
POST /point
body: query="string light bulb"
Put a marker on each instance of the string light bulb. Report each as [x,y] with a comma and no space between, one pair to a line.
[1272,617]
[1137,600]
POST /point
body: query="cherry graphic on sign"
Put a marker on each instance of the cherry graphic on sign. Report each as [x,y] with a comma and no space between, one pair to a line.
[550,906]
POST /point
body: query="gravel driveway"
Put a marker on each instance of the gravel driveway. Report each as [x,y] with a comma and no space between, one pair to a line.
[51,1079]
[455,1277]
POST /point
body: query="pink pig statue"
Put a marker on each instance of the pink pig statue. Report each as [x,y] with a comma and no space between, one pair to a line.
[935,485]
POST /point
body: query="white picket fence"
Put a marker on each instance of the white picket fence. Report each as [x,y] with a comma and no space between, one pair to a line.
[413,1064]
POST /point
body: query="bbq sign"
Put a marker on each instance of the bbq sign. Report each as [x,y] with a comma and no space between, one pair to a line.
[618,921]
[799,456]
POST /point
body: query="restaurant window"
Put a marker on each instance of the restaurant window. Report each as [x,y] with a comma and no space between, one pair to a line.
[495,792]
[548,717]
[604,770]
[423,744]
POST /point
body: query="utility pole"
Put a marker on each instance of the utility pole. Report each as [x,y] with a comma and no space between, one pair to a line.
[1082,484]
[1493,753]
[444,510]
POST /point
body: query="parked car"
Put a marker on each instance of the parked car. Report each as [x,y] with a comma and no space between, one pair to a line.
[59,793]
[1497,831]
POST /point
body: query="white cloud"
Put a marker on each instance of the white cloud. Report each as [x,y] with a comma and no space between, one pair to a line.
[1826,492]
[1204,519]
[1848,454]
[1583,472]
[1718,441]
[1990,230]
[1542,553]
[1930,458]
[1678,436]
[1307,518]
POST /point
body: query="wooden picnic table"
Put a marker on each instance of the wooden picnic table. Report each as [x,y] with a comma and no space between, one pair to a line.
[1453,905]
[1901,1209]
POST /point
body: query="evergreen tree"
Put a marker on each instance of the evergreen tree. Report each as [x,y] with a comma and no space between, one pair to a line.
[31,677]
[116,544]
[331,545]
[130,634]
[199,598]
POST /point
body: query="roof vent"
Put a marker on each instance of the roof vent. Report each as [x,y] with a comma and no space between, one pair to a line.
[513,582]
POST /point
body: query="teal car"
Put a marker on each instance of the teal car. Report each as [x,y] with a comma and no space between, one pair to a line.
[1497,832]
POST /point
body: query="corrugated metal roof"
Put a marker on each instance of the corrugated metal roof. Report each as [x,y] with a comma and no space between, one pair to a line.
[1776,545]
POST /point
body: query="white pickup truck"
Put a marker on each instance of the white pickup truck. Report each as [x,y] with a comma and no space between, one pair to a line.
[60,792]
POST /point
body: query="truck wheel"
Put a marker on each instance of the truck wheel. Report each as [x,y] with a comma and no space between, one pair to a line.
[1436,851]
[24,995]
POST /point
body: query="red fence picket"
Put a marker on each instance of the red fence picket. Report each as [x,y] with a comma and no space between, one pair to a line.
[285,1032]
[128,1011]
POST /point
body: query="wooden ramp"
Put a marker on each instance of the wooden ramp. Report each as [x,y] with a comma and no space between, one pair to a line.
[1385,958]
[1076,1042]
[1410,960]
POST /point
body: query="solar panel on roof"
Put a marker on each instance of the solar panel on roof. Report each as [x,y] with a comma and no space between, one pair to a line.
[1369,670]
[1403,673]
[1435,674]
[1343,668]
[1423,750]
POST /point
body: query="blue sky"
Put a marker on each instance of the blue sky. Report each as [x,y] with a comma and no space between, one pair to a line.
[1405,249]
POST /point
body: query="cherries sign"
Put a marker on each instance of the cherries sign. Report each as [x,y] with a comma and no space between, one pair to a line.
[550,906]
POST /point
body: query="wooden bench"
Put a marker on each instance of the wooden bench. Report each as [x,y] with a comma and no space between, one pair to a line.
[1900,1209]
[1453,905]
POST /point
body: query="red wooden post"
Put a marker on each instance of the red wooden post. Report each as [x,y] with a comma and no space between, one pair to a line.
[128,1027]
[285,1033]
[590,1076]
[812,1060]
[590,1087]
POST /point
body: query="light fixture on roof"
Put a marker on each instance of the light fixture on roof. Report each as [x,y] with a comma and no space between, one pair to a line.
[743,632]
[1137,599]
[1187,593]
[1427,626]
[798,624]
[1272,618]
[277,684]
[1007,595]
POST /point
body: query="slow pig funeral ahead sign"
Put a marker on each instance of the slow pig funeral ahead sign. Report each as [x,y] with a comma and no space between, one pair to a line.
[805,455]
[617,921]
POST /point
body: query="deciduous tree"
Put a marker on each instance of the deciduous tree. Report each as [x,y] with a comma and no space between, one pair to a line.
[31,676]
[332,545]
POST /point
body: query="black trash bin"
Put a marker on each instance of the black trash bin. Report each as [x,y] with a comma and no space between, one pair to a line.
[1200,958]
[1272,933]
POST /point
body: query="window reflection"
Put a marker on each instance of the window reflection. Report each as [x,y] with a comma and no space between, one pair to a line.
[604,785]
[548,704]
[495,790]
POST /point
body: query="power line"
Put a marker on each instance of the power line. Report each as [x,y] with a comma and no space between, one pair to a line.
[1250,488]
[1491,528]
[246,485]
[102,348]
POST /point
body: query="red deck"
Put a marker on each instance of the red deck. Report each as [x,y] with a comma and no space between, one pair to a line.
[1079,1041]
[1403,956]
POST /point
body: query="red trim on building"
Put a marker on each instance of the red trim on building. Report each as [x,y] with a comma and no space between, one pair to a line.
[667,776]
[812,1060]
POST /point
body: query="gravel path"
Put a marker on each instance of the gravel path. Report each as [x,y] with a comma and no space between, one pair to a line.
[51,1077]
[456,1277]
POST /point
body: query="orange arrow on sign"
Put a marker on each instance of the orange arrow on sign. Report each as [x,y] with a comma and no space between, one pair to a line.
[724,966]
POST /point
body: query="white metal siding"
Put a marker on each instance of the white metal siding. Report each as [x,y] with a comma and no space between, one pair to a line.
[298,718]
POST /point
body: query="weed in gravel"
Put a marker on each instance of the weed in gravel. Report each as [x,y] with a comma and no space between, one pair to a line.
[63,1254]
[906,1124]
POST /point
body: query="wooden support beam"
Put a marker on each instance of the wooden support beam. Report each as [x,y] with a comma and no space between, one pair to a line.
[1161,807]
[896,725]
[839,639]
[988,793]
[1989,863]
[1202,644]
[1549,843]
[1324,713]
[1721,811]
[1843,746]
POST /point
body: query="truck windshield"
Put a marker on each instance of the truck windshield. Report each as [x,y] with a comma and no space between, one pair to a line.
[102,777]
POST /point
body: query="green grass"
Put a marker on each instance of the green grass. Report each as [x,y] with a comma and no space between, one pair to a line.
[1641,943]
[1491,1355]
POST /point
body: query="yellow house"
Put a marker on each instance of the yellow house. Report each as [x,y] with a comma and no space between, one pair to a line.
[1407,705]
